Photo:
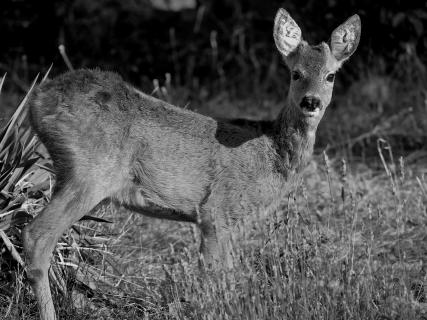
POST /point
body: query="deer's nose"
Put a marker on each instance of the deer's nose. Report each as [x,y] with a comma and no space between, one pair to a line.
[310,103]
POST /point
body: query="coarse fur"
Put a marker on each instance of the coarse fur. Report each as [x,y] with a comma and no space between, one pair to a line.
[108,140]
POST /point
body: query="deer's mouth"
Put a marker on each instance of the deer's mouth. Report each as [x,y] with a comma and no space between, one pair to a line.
[311,106]
[311,112]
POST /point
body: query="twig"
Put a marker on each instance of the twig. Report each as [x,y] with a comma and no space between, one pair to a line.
[11,248]
[64,56]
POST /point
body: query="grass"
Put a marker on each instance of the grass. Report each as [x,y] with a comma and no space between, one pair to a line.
[348,243]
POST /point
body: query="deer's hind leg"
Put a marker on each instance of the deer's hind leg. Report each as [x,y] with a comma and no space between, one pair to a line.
[67,206]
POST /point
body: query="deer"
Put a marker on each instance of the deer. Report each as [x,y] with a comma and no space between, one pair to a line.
[107,140]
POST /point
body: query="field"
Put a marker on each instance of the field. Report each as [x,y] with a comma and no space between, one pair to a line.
[348,243]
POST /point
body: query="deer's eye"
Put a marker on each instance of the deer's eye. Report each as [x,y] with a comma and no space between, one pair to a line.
[296,75]
[330,77]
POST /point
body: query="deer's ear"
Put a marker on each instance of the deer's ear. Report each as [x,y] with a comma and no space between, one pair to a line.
[286,33]
[345,38]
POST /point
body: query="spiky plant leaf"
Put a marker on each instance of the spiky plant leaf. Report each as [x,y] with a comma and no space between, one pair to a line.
[18,159]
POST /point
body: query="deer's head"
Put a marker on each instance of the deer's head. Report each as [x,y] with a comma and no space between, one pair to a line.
[313,68]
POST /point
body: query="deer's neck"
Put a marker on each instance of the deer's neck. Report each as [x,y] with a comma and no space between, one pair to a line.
[294,140]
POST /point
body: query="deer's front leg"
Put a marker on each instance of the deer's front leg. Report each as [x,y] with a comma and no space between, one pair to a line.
[216,246]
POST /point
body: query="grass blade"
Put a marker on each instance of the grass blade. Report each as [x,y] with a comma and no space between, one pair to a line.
[2,81]
[46,74]
[17,116]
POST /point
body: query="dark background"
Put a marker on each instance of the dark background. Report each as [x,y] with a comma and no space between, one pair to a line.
[225,47]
